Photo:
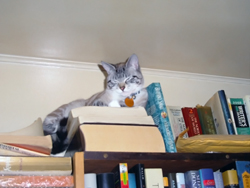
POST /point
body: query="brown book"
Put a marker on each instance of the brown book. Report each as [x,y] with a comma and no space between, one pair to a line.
[37,181]
[121,138]
[14,165]
[78,169]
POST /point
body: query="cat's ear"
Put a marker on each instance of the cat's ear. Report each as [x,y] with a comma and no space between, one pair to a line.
[108,67]
[133,62]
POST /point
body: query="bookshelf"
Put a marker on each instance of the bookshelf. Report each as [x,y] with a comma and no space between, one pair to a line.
[100,162]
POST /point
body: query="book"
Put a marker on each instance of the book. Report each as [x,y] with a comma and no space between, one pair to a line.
[176,120]
[206,119]
[180,179]
[16,165]
[132,180]
[165,182]
[102,115]
[121,175]
[192,121]
[4,152]
[105,180]
[192,179]
[156,108]
[20,150]
[243,172]
[172,180]
[78,169]
[221,113]
[207,178]
[139,171]
[154,177]
[230,179]
[218,179]
[90,180]
[246,100]
[37,181]
[121,138]
[34,129]
[240,117]
[41,144]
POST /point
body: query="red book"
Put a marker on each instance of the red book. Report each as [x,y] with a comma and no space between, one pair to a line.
[192,121]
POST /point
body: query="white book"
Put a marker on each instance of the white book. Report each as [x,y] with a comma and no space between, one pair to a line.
[154,178]
[176,120]
[180,180]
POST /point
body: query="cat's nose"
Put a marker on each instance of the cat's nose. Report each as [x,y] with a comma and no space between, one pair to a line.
[122,88]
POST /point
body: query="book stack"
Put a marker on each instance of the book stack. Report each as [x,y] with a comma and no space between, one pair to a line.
[114,129]
[25,160]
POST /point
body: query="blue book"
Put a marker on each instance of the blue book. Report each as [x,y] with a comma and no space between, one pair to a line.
[207,178]
[132,180]
[243,172]
[192,179]
[218,179]
[156,108]
[226,112]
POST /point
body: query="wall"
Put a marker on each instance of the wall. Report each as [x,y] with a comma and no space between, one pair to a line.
[207,37]
[33,87]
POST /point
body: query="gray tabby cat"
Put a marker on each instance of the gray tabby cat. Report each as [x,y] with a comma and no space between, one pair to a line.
[124,80]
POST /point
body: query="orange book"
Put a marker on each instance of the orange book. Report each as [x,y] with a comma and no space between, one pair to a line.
[36,181]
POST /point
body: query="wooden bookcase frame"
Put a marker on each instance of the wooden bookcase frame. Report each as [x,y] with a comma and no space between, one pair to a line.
[100,162]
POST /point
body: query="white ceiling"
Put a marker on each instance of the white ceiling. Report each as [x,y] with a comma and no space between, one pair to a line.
[207,37]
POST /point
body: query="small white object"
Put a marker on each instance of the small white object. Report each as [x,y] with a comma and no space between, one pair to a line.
[114,104]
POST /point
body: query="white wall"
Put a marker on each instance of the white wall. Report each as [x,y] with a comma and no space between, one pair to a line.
[32,87]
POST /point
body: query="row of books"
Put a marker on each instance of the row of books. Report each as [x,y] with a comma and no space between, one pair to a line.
[25,171]
[235,175]
[219,115]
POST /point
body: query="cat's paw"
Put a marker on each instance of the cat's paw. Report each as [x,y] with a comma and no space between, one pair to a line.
[99,103]
[50,125]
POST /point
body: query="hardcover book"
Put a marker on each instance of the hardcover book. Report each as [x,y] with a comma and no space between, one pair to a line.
[218,179]
[221,113]
[230,179]
[132,180]
[156,108]
[176,120]
[154,177]
[121,175]
[207,178]
[180,180]
[243,171]
[172,180]
[192,179]
[139,171]
[240,117]
[246,100]
[206,119]
[35,165]
[192,121]
[105,180]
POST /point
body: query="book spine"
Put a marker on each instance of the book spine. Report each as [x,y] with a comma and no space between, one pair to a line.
[132,180]
[139,171]
[226,112]
[172,180]
[243,171]
[156,108]
[121,176]
[192,121]
[230,179]
[20,150]
[239,114]
[188,122]
[37,181]
[247,106]
[90,180]
[218,179]
[206,120]
[105,180]
[232,114]
[180,180]
[207,178]
[192,179]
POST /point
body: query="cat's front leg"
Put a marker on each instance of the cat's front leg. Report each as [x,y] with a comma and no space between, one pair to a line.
[99,103]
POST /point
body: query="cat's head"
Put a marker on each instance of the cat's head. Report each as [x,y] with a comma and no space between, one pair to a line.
[124,78]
